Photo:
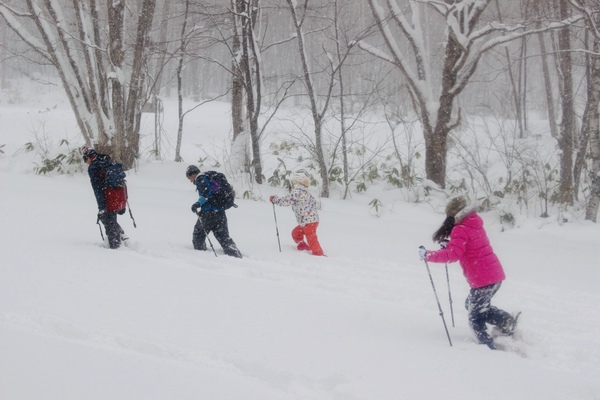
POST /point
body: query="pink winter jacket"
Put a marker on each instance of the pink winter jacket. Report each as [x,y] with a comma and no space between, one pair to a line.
[470,246]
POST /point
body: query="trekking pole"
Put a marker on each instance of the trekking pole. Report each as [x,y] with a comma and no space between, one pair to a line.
[131,215]
[129,207]
[100,227]
[276,228]
[206,235]
[449,295]
[438,303]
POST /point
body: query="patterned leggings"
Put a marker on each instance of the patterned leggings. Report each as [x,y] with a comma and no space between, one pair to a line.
[481,312]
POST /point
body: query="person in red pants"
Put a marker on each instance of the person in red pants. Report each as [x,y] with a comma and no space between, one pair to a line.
[304,206]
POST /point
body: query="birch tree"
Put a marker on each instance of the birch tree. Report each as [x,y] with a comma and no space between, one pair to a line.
[434,90]
[106,89]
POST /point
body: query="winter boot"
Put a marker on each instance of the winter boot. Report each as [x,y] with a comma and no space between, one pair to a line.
[303,246]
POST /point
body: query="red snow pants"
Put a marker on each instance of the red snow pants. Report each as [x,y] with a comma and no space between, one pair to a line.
[310,232]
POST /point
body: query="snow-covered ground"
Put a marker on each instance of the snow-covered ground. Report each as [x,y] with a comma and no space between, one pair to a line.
[158,320]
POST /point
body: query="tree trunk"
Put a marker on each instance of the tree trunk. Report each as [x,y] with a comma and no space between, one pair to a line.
[237,83]
[593,201]
[117,56]
[163,47]
[136,96]
[565,140]
[317,116]
[515,87]
[180,114]
[252,74]
[584,139]
[436,141]
[545,71]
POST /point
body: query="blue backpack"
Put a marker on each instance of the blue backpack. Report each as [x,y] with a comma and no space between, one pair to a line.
[114,176]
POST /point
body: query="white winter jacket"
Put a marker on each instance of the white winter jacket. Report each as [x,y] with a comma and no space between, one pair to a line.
[303,204]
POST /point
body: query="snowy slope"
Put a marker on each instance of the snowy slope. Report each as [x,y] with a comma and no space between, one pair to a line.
[158,320]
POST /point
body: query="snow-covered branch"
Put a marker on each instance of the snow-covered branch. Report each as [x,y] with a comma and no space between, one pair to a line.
[375,51]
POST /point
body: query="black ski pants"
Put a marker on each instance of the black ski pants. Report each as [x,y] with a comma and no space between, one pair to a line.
[481,312]
[215,222]
[112,228]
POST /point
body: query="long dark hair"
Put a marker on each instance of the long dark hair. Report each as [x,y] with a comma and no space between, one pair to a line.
[443,233]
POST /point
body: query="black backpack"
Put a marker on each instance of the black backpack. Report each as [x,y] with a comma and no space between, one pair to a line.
[222,195]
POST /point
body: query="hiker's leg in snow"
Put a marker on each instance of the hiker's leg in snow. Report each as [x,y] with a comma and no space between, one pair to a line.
[220,228]
[298,234]
[199,236]
[112,228]
[500,318]
[478,306]
[310,231]
[298,238]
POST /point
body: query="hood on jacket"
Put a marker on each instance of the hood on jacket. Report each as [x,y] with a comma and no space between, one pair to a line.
[460,207]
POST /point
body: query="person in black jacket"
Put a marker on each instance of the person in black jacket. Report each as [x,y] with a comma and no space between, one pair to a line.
[107,208]
[210,218]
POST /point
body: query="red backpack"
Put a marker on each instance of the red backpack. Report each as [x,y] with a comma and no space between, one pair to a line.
[116,198]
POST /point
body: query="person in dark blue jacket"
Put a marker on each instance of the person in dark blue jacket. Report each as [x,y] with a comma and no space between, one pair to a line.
[97,164]
[210,218]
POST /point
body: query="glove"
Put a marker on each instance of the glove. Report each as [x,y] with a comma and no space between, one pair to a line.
[101,213]
[443,243]
[422,253]
[272,198]
[195,207]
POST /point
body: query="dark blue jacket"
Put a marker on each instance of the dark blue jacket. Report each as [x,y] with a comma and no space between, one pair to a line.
[96,171]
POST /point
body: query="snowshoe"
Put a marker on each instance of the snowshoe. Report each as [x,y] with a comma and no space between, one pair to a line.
[508,330]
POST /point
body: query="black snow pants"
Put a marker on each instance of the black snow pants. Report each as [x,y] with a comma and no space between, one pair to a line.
[215,222]
[113,230]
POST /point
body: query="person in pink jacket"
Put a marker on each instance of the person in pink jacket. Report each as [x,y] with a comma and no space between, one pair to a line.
[304,206]
[464,239]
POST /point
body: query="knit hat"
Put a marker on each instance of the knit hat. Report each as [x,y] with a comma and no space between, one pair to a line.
[455,205]
[301,180]
[87,152]
[192,170]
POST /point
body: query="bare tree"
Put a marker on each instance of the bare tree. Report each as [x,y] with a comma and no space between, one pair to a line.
[237,75]
[319,104]
[105,89]
[537,10]
[464,43]
[247,71]
[239,32]
[591,12]
[181,56]
[516,82]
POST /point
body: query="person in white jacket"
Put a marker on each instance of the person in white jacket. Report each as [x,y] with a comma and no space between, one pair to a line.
[304,206]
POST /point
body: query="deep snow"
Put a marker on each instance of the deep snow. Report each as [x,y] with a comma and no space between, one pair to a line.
[158,320]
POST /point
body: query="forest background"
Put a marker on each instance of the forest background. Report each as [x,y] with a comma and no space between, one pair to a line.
[496,98]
